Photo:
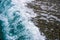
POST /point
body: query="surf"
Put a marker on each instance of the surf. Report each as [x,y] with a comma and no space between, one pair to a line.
[16,21]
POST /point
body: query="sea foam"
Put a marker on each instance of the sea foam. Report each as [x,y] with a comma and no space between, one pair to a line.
[16,21]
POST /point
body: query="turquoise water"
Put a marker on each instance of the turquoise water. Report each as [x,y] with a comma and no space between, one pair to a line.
[15,22]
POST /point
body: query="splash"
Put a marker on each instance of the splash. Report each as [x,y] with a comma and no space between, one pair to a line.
[16,21]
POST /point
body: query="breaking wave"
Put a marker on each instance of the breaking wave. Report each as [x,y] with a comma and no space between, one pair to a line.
[15,23]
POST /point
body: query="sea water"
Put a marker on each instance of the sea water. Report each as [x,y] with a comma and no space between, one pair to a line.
[15,23]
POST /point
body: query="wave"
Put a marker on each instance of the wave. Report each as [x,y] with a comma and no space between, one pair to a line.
[15,21]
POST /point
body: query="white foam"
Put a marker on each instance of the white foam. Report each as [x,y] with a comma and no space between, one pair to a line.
[26,14]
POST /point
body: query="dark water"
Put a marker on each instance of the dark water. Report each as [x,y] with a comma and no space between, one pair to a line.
[48,17]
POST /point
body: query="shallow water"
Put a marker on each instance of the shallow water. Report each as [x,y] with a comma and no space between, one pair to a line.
[48,17]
